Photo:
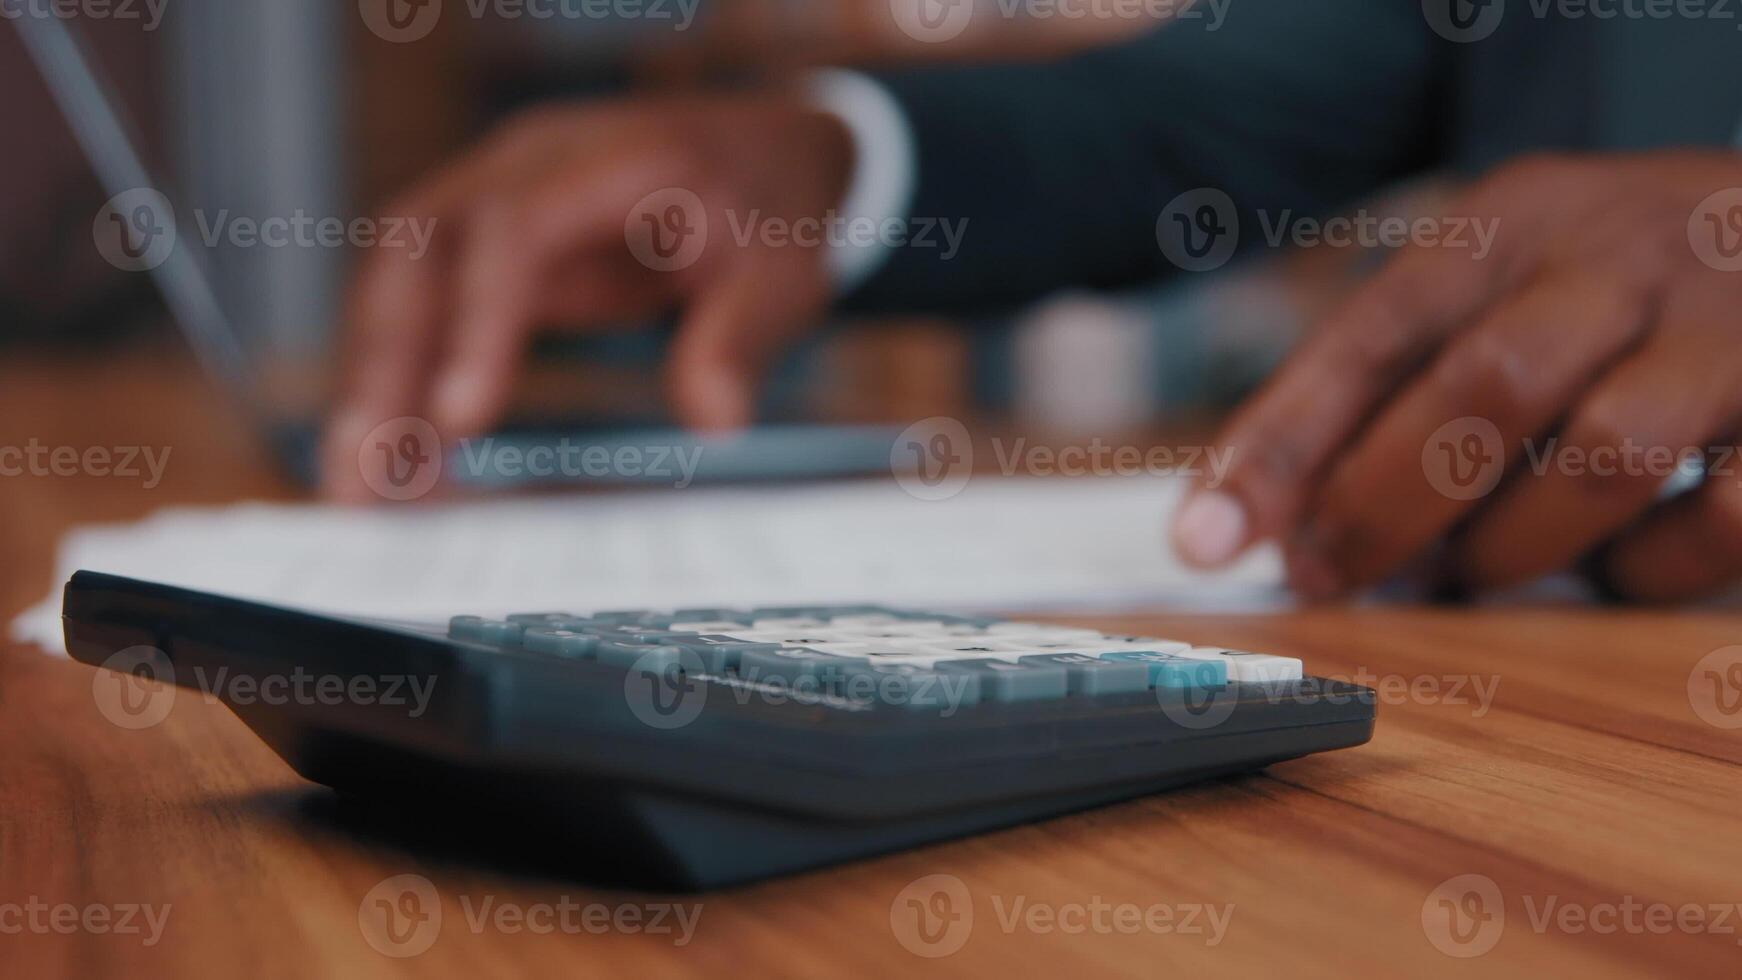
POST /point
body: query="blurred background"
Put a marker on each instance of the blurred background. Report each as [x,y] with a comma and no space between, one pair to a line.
[267,107]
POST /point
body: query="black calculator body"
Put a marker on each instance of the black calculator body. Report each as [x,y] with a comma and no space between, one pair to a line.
[702,748]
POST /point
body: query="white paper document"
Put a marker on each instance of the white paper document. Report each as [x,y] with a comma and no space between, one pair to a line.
[1006,545]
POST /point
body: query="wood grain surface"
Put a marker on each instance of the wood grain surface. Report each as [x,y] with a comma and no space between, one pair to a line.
[1551,792]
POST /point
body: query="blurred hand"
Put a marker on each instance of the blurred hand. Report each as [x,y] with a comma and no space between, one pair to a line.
[1414,423]
[584,218]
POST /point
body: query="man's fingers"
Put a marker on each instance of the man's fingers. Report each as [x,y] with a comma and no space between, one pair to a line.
[392,320]
[1287,434]
[1625,439]
[495,277]
[1691,548]
[1512,375]
[733,331]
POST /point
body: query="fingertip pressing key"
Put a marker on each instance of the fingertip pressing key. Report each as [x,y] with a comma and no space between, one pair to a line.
[1212,529]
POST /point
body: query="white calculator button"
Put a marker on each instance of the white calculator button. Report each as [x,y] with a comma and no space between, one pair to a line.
[914,627]
[720,628]
[1041,629]
[1250,668]
[899,651]
[1132,644]
[869,619]
[793,638]
[982,650]
[788,623]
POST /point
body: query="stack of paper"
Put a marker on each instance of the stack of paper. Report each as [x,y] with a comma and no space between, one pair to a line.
[1001,545]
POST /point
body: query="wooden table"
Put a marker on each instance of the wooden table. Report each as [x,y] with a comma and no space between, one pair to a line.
[1560,755]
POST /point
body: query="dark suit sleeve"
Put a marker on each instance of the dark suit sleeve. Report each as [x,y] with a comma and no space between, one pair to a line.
[1062,170]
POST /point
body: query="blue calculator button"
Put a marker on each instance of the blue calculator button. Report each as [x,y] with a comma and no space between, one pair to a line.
[552,620]
[560,643]
[723,653]
[711,616]
[1094,676]
[1167,670]
[653,637]
[642,657]
[910,685]
[629,616]
[1001,680]
[487,631]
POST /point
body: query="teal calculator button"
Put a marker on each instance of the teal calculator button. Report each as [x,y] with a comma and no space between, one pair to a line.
[1095,676]
[561,642]
[1167,670]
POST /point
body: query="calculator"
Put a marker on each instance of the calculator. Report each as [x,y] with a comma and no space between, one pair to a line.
[698,748]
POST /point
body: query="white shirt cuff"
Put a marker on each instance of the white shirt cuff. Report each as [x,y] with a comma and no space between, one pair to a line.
[884,175]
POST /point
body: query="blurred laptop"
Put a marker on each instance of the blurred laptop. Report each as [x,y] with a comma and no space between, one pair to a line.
[92,110]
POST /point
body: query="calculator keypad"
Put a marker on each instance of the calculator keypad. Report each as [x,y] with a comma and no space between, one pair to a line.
[875,649]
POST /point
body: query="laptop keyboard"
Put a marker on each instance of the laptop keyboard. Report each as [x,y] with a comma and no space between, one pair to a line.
[838,648]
